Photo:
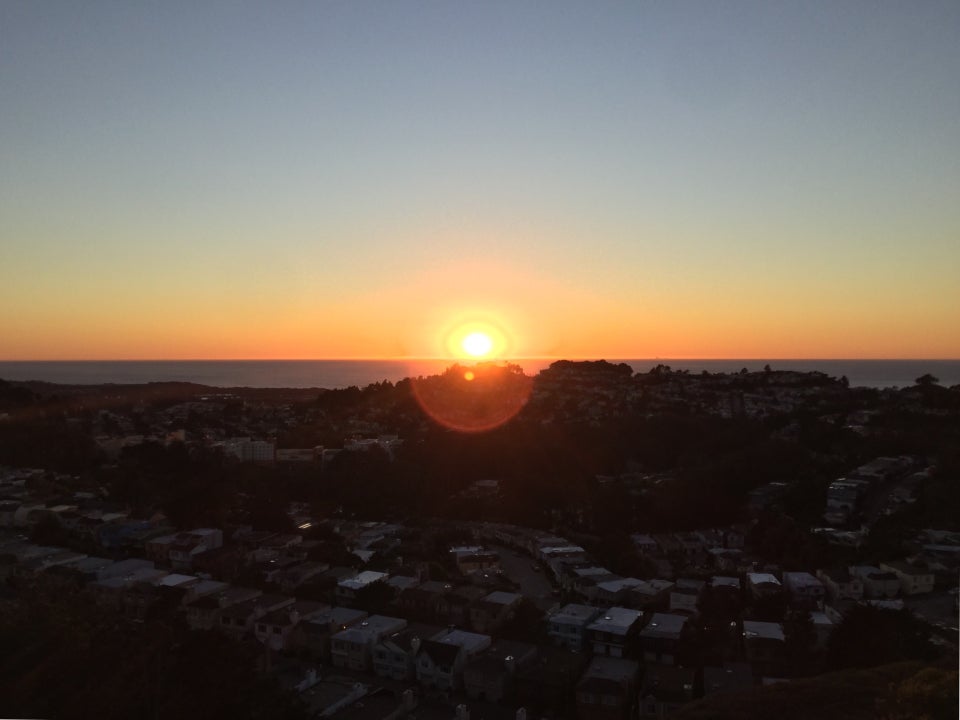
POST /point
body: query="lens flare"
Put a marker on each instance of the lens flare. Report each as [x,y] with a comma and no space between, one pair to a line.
[475,399]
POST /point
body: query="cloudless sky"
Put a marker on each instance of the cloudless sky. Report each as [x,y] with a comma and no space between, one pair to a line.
[590,179]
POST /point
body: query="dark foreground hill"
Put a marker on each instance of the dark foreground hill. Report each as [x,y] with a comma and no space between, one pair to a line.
[901,691]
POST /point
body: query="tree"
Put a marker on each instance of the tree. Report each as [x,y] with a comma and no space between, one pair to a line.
[926,380]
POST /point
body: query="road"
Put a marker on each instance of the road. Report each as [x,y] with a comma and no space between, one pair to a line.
[534,584]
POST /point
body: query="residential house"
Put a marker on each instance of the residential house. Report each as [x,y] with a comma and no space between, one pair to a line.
[275,630]
[423,601]
[660,639]
[456,606]
[187,545]
[650,594]
[317,631]
[613,592]
[764,646]
[877,583]
[346,592]
[237,620]
[497,608]
[548,684]
[763,585]
[823,626]
[296,575]
[613,632]
[841,584]
[203,613]
[914,579]
[568,626]
[395,655]
[804,589]
[490,676]
[664,690]
[475,559]
[353,648]
[442,658]
[608,689]
[685,596]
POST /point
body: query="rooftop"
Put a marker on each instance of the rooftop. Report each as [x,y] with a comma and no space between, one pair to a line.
[664,625]
[615,620]
[765,630]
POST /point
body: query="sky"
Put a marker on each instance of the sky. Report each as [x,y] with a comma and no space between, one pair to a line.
[577,179]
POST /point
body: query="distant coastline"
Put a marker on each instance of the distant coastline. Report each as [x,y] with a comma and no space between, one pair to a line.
[343,373]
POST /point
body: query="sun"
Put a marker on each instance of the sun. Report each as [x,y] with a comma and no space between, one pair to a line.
[477,344]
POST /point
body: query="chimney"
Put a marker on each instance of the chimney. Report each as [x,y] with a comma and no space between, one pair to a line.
[510,663]
[409,699]
[415,645]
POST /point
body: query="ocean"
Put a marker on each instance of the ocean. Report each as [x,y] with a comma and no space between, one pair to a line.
[343,373]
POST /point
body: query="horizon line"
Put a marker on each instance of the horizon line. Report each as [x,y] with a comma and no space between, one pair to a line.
[476,360]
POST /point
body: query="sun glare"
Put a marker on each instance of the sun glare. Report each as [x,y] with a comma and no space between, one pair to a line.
[477,344]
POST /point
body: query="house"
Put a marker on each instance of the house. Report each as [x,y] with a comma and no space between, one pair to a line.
[613,592]
[442,658]
[186,545]
[204,612]
[572,573]
[347,589]
[661,638]
[422,601]
[764,646]
[607,690]
[238,619]
[644,544]
[648,594]
[275,630]
[840,584]
[490,676]
[456,606]
[317,631]
[493,611]
[914,579]
[568,626]
[877,583]
[548,684]
[664,689]
[224,563]
[685,596]
[823,626]
[394,656]
[805,590]
[353,648]
[475,559]
[296,575]
[202,588]
[763,585]
[613,632]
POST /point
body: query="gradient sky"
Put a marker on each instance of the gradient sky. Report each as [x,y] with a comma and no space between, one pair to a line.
[594,179]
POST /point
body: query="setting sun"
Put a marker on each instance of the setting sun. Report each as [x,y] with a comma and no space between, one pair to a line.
[477,344]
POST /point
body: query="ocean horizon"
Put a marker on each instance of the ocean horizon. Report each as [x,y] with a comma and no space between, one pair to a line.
[332,374]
